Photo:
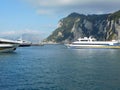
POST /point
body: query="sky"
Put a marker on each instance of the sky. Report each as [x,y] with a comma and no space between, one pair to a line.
[37,19]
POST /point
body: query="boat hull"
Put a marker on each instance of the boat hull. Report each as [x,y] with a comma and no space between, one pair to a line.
[93,47]
[8,48]
[24,45]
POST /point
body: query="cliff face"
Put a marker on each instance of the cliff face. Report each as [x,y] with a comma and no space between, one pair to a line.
[101,27]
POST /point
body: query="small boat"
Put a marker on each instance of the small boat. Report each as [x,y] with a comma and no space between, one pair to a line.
[8,45]
[24,43]
[92,43]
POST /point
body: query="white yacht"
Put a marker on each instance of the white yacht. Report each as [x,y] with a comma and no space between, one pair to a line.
[8,45]
[92,43]
[24,43]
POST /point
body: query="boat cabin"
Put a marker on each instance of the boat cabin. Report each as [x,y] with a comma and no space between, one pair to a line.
[85,39]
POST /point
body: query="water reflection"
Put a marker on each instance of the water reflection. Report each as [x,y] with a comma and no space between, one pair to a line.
[92,52]
[7,55]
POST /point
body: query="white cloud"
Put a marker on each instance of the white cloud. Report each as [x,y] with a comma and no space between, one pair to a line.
[59,3]
[44,11]
[19,32]
[68,6]
[32,35]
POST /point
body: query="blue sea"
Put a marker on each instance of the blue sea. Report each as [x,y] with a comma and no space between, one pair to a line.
[55,67]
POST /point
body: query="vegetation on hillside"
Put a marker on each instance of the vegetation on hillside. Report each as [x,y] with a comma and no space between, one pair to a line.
[75,25]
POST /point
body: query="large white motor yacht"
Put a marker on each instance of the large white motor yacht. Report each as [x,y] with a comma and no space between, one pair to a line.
[8,45]
[92,43]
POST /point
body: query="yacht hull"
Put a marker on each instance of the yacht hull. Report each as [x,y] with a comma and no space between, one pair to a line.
[8,48]
[92,47]
[24,45]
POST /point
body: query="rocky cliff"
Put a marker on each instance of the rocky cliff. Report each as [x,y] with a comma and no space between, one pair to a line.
[101,27]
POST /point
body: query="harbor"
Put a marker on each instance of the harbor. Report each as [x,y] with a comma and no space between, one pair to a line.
[60,45]
[54,67]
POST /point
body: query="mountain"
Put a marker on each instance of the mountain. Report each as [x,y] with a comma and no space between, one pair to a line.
[75,25]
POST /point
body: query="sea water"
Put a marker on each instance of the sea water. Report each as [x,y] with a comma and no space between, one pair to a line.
[55,67]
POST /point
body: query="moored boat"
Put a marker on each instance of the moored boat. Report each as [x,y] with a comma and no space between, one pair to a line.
[8,45]
[92,43]
[24,43]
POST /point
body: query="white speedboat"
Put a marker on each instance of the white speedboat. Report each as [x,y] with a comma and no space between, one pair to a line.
[24,43]
[92,43]
[8,45]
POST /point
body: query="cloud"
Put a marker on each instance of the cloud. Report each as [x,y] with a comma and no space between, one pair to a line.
[68,6]
[19,32]
[27,34]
